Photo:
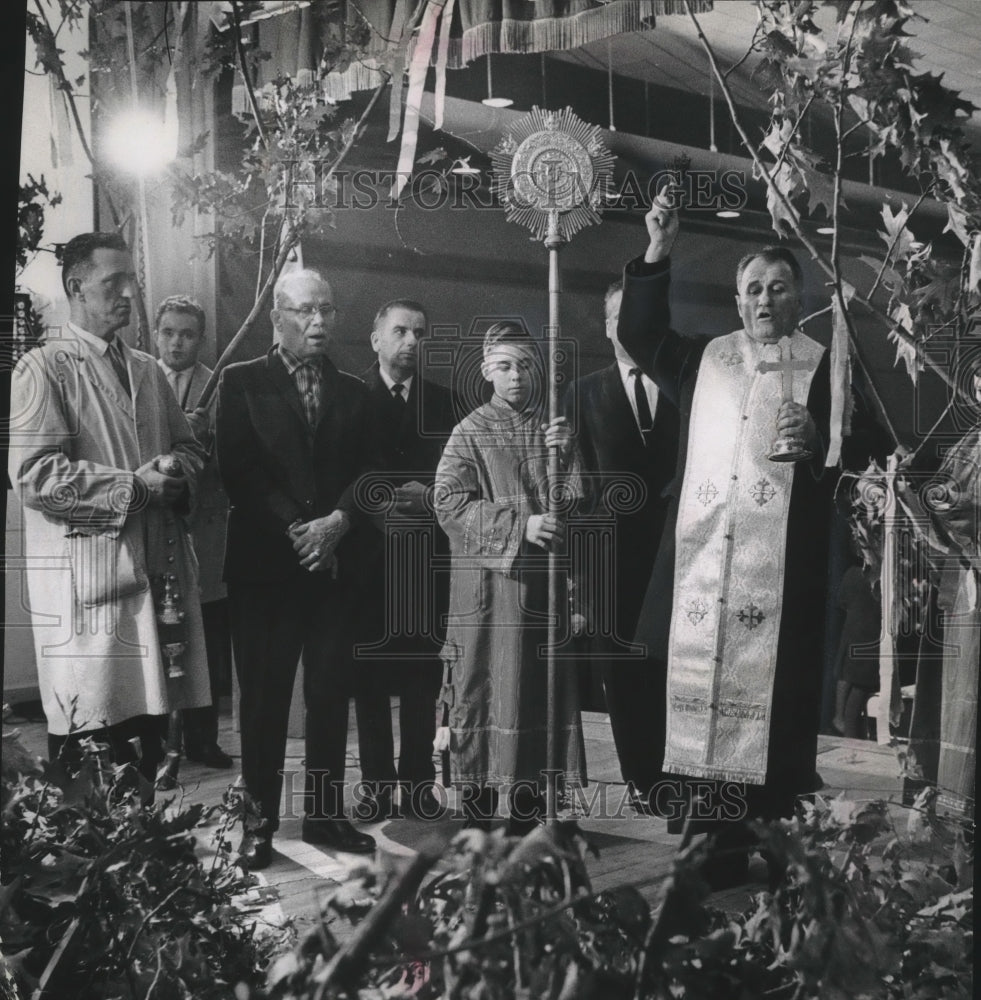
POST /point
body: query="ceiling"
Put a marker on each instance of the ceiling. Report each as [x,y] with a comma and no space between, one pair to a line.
[946,37]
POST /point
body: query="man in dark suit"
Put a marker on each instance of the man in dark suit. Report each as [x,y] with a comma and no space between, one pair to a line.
[628,436]
[179,335]
[293,436]
[399,634]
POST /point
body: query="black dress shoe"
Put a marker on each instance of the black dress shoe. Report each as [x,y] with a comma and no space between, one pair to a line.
[255,853]
[166,779]
[211,756]
[337,834]
[423,803]
[166,782]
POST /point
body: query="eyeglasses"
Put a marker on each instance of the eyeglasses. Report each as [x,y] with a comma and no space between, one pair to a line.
[310,311]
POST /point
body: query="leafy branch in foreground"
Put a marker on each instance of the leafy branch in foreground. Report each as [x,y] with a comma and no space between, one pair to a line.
[294,140]
[104,897]
[847,91]
[34,198]
[861,911]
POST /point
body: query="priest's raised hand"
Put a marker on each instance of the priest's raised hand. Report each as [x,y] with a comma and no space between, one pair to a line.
[662,225]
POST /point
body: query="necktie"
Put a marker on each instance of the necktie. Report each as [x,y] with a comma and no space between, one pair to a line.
[175,384]
[310,381]
[644,417]
[119,365]
[398,393]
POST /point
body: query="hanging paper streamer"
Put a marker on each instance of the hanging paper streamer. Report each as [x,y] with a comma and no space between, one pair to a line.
[841,380]
[442,56]
[61,128]
[410,35]
[418,67]
[400,30]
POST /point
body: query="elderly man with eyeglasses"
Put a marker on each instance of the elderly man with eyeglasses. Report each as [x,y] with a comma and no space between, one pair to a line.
[293,437]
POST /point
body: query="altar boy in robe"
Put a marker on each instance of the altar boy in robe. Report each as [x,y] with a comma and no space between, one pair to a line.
[737,596]
[490,499]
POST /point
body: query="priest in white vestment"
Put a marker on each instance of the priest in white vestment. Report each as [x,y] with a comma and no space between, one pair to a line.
[737,596]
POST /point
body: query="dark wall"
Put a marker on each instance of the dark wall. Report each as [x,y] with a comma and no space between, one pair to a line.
[469,266]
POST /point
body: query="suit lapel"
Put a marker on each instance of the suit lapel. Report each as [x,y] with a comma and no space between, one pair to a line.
[97,370]
[328,392]
[284,384]
[619,406]
[402,414]
[101,375]
[405,413]
[199,379]
[136,364]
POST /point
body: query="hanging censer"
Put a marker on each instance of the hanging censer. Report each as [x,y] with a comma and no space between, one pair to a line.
[171,618]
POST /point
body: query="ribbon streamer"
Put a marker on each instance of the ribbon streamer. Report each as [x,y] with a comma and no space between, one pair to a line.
[418,67]
[841,380]
[442,57]
[400,29]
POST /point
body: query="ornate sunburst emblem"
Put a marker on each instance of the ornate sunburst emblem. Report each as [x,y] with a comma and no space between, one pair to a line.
[552,164]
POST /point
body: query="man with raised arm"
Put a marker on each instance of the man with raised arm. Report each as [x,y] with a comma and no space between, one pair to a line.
[737,597]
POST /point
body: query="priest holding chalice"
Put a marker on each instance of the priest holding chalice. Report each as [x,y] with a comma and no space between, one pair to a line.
[737,596]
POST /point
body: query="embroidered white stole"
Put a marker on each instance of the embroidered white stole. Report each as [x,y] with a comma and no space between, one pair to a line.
[731,540]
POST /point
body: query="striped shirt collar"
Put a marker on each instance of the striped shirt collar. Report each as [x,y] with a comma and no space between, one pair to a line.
[292,362]
[308,379]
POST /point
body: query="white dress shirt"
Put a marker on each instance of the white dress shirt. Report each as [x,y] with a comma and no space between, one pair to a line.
[389,382]
[100,345]
[180,381]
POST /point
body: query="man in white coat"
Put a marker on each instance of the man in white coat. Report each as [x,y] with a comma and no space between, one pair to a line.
[104,463]
[179,334]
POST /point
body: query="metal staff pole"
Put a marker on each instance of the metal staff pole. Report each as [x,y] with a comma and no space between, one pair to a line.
[553,240]
[552,172]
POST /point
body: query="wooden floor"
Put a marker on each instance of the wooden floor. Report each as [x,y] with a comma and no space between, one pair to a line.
[632,848]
